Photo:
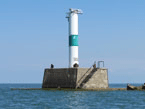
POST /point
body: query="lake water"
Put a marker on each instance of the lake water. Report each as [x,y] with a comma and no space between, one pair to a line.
[44,99]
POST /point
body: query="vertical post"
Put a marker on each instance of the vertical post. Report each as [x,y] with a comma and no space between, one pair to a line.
[72,16]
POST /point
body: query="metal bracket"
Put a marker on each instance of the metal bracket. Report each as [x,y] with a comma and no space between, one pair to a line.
[99,63]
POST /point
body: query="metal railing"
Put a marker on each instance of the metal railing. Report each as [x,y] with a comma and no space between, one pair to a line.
[99,63]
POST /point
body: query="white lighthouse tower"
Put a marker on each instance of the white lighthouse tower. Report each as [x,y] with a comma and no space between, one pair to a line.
[72,16]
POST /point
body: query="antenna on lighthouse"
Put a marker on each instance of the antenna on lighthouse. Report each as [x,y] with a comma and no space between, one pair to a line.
[72,16]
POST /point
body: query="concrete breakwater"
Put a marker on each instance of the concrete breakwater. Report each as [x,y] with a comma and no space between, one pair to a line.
[70,89]
[128,88]
[131,87]
[83,78]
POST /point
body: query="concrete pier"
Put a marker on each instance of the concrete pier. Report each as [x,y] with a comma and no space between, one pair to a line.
[69,89]
[83,78]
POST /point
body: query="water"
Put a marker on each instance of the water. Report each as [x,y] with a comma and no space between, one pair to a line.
[44,99]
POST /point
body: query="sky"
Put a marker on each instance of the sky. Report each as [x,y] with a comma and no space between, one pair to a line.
[34,34]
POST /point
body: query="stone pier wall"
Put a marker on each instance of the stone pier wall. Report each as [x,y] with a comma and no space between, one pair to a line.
[75,78]
[63,77]
[92,78]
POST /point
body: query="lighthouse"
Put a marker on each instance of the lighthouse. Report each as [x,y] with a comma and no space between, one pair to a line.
[72,16]
[75,77]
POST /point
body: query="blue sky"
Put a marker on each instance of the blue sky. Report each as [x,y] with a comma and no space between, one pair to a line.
[34,34]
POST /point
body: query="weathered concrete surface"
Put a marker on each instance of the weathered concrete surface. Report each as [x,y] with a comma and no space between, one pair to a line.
[92,78]
[64,78]
[75,78]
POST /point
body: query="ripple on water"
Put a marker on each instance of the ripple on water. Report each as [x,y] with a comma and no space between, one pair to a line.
[12,99]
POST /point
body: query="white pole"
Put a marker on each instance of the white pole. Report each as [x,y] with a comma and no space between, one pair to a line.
[73,36]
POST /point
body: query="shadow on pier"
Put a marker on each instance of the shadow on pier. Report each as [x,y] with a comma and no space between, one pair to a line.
[86,77]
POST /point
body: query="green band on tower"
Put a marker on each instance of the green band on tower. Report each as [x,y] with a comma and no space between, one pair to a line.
[73,40]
